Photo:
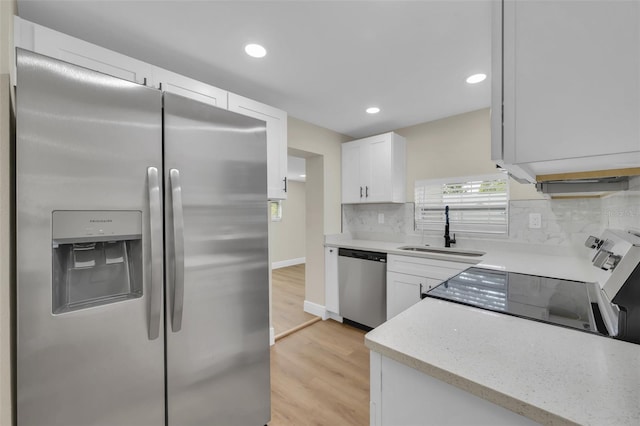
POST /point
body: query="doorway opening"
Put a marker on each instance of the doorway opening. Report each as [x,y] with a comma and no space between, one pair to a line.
[288,243]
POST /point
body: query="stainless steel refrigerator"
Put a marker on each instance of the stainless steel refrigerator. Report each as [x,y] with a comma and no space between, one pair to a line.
[142,255]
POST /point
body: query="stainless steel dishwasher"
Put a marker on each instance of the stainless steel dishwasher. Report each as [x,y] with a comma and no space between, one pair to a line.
[362,284]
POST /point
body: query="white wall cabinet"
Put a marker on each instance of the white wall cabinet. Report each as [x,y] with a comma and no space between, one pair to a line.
[374,170]
[276,141]
[566,87]
[45,41]
[407,276]
[184,86]
[331,295]
[39,39]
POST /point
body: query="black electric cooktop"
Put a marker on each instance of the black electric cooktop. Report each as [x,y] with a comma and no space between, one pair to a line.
[555,301]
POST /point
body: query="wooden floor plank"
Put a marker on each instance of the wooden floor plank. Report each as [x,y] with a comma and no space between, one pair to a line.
[287,304]
[320,376]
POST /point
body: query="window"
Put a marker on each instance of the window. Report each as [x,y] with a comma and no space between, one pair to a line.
[276,211]
[477,204]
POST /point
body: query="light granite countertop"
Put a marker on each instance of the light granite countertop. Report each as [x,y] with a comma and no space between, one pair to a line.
[553,375]
[552,261]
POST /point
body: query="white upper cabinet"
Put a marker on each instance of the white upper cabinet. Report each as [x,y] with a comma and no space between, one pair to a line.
[276,141]
[190,88]
[374,170]
[567,75]
[45,41]
[36,38]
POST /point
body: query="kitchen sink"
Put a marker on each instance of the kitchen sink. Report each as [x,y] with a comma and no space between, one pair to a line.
[443,250]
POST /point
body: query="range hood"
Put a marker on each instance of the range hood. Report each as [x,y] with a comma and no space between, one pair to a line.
[587,184]
[584,186]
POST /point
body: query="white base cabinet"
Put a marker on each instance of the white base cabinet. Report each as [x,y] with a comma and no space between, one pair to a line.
[566,87]
[403,291]
[331,295]
[407,276]
[374,170]
[403,396]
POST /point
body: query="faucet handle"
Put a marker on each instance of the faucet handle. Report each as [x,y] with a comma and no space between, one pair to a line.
[453,240]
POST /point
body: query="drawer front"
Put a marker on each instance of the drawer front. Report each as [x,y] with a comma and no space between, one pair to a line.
[429,268]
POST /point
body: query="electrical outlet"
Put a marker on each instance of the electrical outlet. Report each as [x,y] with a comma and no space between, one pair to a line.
[380,218]
[535,220]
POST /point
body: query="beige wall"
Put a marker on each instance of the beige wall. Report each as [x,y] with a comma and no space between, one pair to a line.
[7,10]
[321,147]
[287,237]
[454,146]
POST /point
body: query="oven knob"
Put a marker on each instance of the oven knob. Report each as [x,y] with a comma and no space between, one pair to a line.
[593,242]
[606,260]
[611,262]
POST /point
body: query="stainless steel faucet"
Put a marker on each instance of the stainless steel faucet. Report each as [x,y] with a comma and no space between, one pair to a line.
[447,239]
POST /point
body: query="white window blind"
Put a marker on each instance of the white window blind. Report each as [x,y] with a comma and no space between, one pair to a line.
[477,204]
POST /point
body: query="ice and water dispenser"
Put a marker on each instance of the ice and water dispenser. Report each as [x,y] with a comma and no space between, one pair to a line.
[97,258]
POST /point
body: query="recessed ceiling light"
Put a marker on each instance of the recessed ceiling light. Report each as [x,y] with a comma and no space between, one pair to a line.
[255,50]
[373,110]
[476,78]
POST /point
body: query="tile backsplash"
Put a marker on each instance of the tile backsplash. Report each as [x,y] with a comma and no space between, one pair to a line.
[564,221]
[363,221]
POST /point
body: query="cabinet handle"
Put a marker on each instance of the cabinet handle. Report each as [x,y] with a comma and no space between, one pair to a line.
[285,184]
[330,251]
[367,191]
[420,294]
[360,192]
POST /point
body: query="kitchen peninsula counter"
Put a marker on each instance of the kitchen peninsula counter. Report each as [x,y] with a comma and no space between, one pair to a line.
[550,374]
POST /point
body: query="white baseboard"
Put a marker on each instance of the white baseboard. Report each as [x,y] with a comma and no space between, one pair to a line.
[290,262]
[334,316]
[315,309]
[272,336]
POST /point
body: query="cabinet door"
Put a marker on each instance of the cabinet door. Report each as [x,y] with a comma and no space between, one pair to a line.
[69,49]
[190,88]
[352,188]
[575,67]
[403,291]
[374,170]
[276,141]
[332,303]
[379,174]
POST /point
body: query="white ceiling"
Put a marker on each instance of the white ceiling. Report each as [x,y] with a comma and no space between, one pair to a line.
[327,60]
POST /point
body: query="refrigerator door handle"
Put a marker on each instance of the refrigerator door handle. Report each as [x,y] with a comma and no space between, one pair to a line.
[178,242]
[155,254]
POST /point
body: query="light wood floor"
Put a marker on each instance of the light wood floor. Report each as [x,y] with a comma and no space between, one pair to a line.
[320,376]
[287,304]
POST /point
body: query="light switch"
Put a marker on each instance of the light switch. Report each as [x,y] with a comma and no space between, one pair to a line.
[535,220]
[380,218]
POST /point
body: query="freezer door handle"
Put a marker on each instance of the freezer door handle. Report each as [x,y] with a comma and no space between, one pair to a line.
[155,254]
[178,250]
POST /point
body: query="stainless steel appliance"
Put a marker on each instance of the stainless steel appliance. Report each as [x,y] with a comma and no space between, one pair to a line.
[362,287]
[142,256]
[610,305]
